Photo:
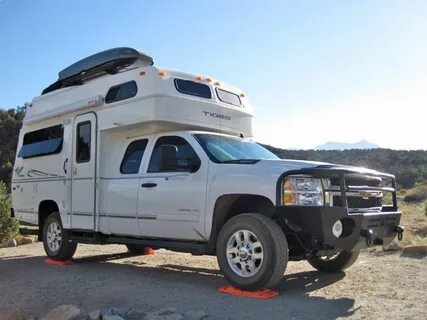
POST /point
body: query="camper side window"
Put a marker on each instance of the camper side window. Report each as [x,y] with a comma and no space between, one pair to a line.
[122,91]
[186,157]
[228,97]
[42,142]
[83,142]
[193,88]
[133,156]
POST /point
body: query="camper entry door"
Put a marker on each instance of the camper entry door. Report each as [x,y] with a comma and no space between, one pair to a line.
[83,172]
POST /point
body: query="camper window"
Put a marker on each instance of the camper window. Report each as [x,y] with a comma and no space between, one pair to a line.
[42,142]
[228,97]
[186,157]
[193,88]
[133,156]
[121,92]
[83,142]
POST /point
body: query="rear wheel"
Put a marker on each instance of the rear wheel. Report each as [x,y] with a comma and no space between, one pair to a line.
[336,261]
[252,252]
[136,249]
[56,239]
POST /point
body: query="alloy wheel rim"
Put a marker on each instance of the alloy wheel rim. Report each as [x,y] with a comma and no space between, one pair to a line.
[244,253]
[54,236]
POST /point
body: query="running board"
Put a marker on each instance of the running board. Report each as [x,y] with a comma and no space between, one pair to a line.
[83,236]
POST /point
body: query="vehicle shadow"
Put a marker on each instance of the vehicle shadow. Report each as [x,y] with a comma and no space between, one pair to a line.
[297,298]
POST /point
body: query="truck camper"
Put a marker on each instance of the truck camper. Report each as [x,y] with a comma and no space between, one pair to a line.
[120,151]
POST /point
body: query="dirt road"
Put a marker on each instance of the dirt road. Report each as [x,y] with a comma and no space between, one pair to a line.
[376,287]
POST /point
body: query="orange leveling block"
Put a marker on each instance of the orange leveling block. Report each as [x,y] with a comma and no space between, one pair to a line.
[58,263]
[260,294]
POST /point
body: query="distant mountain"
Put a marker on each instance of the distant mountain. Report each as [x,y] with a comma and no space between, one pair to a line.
[362,144]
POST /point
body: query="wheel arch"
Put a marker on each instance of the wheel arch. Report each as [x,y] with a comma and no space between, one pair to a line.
[46,207]
[230,205]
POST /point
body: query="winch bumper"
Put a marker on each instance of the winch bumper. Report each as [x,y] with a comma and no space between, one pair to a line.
[362,230]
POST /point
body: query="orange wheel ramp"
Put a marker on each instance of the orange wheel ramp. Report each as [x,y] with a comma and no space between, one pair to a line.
[259,294]
[58,263]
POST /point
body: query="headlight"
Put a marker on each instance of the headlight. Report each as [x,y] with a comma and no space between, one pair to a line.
[303,191]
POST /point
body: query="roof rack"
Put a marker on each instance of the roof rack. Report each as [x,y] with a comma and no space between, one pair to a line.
[105,62]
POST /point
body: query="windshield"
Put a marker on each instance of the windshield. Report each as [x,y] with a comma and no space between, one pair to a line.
[233,150]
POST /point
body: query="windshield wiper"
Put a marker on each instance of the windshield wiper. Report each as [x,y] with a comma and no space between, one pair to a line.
[242,161]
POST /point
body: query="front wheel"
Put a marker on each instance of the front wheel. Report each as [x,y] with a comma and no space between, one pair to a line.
[252,252]
[335,262]
[56,240]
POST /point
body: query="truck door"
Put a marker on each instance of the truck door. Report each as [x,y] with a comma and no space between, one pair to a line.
[83,172]
[171,203]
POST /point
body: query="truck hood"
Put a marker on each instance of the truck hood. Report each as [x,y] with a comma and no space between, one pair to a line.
[283,165]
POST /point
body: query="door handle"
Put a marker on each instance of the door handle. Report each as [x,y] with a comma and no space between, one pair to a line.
[149,185]
[64,167]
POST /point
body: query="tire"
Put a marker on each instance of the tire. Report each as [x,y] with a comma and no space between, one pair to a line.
[136,249]
[344,260]
[59,248]
[243,267]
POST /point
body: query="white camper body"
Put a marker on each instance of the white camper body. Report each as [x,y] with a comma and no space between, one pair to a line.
[93,194]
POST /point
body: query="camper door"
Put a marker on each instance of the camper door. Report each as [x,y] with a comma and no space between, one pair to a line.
[83,172]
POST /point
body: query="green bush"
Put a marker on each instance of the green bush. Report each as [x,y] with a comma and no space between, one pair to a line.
[417,194]
[425,208]
[8,226]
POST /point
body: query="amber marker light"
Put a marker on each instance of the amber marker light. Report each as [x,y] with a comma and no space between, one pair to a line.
[142,73]
[162,73]
[209,79]
[288,195]
[217,83]
[242,95]
[199,78]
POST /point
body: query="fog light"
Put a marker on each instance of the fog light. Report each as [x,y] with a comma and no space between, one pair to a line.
[337,229]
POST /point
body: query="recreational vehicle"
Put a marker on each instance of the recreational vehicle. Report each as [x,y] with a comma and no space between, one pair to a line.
[120,151]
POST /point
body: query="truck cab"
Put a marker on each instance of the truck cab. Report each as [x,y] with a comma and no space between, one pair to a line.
[120,151]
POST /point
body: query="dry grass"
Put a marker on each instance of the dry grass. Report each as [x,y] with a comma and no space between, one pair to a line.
[414,221]
[416,194]
[18,315]
[21,240]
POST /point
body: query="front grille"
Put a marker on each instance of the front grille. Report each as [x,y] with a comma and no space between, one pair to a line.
[358,202]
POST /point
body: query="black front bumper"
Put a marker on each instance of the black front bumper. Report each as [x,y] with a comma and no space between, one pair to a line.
[313,225]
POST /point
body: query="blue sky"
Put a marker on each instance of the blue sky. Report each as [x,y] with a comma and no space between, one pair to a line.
[315,71]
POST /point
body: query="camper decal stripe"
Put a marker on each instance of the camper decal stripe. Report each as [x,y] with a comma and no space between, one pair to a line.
[37,173]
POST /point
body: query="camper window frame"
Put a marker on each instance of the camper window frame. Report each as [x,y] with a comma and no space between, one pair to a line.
[192,93]
[219,90]
[119,86]
[43,150]
[77,141]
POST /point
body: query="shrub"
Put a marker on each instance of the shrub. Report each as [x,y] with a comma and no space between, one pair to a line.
[417,194]
[8,225]
[425,208]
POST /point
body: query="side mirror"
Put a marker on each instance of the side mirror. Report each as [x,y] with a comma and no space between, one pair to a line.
[168,157]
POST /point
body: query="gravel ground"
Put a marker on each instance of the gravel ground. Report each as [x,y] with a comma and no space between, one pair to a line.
[378,286]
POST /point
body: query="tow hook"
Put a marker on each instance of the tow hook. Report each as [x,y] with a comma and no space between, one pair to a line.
[399,231]
[367,234]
